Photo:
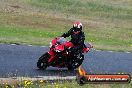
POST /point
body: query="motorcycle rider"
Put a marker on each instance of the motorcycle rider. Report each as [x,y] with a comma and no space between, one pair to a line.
[77,36]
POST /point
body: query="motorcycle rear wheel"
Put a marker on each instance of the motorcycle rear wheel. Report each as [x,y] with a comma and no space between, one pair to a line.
[76,63]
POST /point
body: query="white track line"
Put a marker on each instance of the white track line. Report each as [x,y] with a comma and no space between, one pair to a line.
[42,46]
[39,78]
[94,49]
[110,51]
[12,44]
[127,52]
[97,50]
[30,45]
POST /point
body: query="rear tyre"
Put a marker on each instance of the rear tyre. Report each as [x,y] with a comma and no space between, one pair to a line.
[76,62]
[43,61]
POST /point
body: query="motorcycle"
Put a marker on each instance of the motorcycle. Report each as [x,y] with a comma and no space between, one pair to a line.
[61,54]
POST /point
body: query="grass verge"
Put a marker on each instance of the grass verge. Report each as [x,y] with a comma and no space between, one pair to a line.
[107,24]
[63,84]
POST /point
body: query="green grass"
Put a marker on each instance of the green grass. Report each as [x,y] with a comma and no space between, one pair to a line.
[107,24]
[11,34]
[71,84]
[96,9]
[75,85]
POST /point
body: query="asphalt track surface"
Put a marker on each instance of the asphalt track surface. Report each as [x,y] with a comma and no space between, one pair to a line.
[20,60]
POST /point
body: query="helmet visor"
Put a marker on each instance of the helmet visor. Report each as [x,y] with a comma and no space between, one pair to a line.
[76,29]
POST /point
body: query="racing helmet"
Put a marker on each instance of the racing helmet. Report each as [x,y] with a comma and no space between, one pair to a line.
[77,27]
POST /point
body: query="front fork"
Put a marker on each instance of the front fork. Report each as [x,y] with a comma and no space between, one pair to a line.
[52,56]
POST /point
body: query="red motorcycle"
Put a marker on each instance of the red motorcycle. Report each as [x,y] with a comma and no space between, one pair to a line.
[61,54]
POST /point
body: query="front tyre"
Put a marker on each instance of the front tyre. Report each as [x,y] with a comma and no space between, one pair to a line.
[41,65]
[43,61]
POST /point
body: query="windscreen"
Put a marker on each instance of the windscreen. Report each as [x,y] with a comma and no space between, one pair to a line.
[61,40]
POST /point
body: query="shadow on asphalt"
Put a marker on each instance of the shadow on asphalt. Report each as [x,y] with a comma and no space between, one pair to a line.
[55,72]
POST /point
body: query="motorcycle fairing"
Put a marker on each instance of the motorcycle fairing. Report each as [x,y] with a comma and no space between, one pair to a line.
[68,44]
[59,47]
[52,56]
[85,50]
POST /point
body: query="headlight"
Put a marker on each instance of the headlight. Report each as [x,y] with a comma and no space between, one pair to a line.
[57,50]
[50,45]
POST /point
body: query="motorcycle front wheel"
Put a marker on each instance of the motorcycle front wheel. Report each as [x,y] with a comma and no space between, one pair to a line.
[43,61]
